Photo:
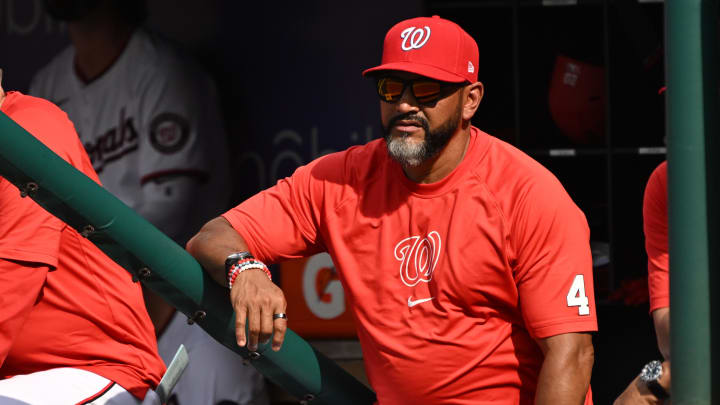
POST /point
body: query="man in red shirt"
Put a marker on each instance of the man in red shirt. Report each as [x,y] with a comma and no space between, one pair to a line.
[73,327]
[466,264]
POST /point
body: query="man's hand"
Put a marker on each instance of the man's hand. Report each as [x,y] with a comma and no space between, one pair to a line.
[255,300]
[637,393]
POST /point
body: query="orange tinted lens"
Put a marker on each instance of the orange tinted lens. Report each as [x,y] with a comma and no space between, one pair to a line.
[426,91]
[390,89]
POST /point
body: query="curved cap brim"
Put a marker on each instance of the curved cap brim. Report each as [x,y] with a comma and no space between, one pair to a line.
[431,72]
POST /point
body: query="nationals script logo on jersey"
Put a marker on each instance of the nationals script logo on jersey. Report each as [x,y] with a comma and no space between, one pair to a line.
[113,143]
[169,133]
[418,258]
[414,38]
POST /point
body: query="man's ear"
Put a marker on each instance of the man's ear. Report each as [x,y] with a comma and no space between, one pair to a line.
[473,95]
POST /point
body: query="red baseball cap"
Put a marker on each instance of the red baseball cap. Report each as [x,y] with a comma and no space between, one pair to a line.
[432,47]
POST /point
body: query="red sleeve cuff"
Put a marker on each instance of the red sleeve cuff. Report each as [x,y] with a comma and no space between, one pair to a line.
[560,327]
[659,302]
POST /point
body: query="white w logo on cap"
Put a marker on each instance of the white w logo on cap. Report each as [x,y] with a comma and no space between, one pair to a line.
[417,37]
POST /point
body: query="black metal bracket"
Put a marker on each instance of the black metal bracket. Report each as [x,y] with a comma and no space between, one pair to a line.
[199,315]
[28,189]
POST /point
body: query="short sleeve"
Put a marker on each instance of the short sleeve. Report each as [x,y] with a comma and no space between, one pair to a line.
[553,266]
[655,226]
[283,222]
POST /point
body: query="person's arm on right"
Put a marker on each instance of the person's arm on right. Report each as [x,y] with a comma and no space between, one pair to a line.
[254,297]
[661,318]
[655,227]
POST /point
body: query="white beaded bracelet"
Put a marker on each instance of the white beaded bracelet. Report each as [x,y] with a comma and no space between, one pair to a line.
[241,266]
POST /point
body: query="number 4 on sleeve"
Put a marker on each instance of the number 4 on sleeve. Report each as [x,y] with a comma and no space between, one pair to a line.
[576,296]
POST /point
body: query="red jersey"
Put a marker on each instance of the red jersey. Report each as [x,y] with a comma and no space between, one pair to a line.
[450,282]
[85,312]
[655,224]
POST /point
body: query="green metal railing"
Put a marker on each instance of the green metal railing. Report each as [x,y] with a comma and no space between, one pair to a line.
[164,266]
[693,156]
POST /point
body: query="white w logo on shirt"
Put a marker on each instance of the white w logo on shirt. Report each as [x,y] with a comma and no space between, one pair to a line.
[418,258]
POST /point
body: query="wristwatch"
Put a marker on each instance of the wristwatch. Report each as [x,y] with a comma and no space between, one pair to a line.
[650,376]
[236,257]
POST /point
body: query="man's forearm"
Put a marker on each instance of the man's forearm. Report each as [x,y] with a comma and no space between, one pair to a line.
[215,241]
[661,319]
[254,297]
[565,376]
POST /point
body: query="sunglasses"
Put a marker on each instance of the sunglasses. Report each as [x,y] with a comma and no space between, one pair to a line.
[425,91]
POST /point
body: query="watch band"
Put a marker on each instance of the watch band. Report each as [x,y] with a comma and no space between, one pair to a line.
[650,376]
[657,389]
[236,257]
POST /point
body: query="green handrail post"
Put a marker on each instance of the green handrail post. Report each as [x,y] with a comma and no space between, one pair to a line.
[693,169]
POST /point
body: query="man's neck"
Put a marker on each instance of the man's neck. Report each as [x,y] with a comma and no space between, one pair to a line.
[98,44]
[445,162]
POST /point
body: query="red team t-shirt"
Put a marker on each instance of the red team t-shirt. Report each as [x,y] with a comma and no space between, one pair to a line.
[88,313]
[655,224]
[449,281]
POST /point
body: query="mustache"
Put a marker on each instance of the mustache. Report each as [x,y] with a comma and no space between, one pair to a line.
[409,117]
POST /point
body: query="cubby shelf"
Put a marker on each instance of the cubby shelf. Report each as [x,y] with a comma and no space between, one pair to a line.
[601,138]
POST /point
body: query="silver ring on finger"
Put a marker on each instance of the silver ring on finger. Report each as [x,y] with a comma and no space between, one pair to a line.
[280,315]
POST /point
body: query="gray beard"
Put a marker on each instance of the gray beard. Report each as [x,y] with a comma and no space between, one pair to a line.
[407,153]
[412,154]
